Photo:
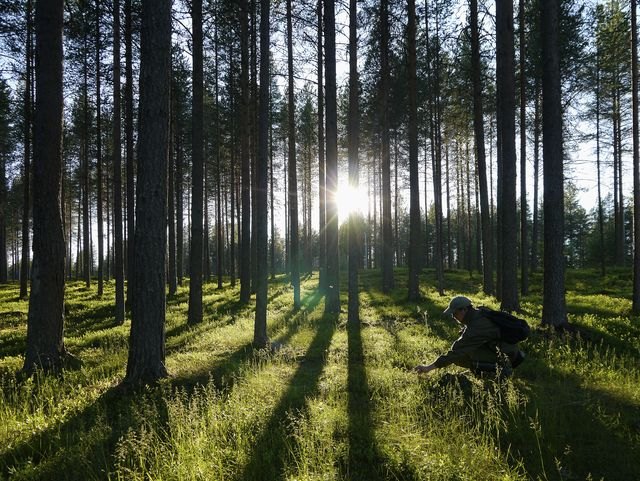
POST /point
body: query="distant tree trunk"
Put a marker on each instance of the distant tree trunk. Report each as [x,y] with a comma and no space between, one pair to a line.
[245,161]
[478,127]
[171,205]
[129,154]
[147,342]
[387,232]
[293,180]
[322,232]
[219,217]
[117,171]
[332,300]
[253,144]
[86,237]
[272,250]
[232,175]
[45,322]
[99,160]
[598,168]
[26,182]
[260,338]
[506,110]
[195,252]
[179,177]
[536,177]
[636,163]
[414,180]
[354,167]
[4,144]
[553,309]
[524,248]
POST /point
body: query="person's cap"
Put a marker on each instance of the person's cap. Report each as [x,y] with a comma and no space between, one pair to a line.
[458,302]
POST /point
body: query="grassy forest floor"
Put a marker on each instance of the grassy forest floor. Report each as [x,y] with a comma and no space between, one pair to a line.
[333,402]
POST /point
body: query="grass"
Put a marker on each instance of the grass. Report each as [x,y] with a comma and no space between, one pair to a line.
[334,401]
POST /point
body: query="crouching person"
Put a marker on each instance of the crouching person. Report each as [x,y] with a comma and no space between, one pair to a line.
[479,347]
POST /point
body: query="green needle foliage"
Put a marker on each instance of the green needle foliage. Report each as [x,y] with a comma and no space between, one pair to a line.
[329,400]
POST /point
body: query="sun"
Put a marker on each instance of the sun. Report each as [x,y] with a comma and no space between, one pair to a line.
[350,200]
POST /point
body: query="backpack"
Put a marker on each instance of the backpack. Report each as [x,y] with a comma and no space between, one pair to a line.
[512,328]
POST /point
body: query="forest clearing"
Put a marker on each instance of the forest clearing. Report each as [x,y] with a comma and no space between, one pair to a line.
[331,401]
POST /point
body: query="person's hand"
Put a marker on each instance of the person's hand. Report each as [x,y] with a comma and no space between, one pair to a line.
[424,369]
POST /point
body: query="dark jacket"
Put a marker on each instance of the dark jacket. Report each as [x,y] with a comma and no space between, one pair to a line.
[479,342]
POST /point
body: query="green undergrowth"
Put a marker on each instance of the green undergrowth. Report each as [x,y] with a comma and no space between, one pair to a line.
[328,400]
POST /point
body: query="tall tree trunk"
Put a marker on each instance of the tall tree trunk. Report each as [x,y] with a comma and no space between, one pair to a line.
[260,338]
[99,160]
[636,162]
[536,178]
[553,308]
[219,217]
[332,300]
[117,171]
[322,218]
[86,237]
[598,168]
[26,181]
[179,202]
[45,322]
[354,163]
[272,251]
[414,180]
[293,170]
[195,252]
[506,110]
[171,204]
[245,158]
[232,174]
[147,341]
[478,128]
[524,248]
[387,232]
[129,154]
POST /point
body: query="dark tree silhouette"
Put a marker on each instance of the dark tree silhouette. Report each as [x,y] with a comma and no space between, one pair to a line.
[117,171]
[332,300]
[554,307]
[354,164]
[147,342]
[260,338]
[45,323]
[414,179]
[195,255]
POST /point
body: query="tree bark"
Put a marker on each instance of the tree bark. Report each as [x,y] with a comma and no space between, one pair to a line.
[322,219]
[332,300]
[45,322]
[245,160]
[147,341]
[414,180]
[506,110]
[129,154]
[260,338]
[636,162]
[26,179]
[99,180]
[387,232]
[553,308]
[195,253]
[354,164]
[293,170]
[117,171]
[524,246]
[478,128]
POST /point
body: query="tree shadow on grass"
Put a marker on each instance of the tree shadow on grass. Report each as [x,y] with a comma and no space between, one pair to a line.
[364,461]
[568,431]
[270,449]
[81,447]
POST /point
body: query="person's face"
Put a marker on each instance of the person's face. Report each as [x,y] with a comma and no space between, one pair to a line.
[459,314]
